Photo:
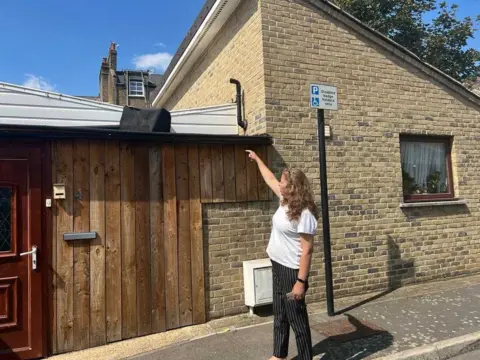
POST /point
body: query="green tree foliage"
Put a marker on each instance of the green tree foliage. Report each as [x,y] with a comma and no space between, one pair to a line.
[441,42]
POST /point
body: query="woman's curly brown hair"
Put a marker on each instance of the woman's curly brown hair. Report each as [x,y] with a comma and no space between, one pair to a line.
[300,195]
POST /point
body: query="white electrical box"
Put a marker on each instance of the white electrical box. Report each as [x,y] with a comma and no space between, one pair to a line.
[257,278]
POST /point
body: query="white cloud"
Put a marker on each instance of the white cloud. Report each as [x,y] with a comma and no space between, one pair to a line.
[38,82]
[160,44]
[157,61]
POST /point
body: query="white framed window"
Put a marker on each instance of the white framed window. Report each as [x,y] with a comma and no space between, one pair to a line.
[136,88]
[426,168]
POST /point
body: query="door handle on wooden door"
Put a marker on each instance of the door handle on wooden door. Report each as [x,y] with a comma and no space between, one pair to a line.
[34,256]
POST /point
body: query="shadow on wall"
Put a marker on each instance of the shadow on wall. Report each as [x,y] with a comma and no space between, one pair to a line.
[399,272]
[276,163]
[417,214]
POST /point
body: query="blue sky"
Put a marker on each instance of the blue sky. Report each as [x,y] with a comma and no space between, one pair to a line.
[58,45]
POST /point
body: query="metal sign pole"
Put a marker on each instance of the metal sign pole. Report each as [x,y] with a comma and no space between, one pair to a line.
[325,217]
[325,97]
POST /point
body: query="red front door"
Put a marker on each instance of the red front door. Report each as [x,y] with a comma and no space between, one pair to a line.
[21,333]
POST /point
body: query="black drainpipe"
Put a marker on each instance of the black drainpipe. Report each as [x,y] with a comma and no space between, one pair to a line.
[240,122]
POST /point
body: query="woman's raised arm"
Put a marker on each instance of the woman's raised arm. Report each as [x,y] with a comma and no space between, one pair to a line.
[268,176]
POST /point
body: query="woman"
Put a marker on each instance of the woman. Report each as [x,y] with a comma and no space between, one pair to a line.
[290,249]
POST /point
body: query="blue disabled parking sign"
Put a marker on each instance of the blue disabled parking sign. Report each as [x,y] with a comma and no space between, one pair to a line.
[323,97]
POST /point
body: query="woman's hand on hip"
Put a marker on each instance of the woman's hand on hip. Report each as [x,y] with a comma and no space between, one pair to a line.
[298,291]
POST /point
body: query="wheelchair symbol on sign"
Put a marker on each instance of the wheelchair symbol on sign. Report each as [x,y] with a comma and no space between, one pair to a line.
[315,102]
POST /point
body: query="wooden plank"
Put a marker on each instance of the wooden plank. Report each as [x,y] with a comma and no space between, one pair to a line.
[170,237]
[229,175]
[156,236]
[142,238]
[263,189]
[53,255]
[252,181]
[113,241]
[196,237]
[98,334]
[65,296]
[184,247]
[81,248]
[241,172]
[127,228]
[217,174]
[206,184]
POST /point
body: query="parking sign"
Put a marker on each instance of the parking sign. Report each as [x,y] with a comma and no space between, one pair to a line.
[323,97]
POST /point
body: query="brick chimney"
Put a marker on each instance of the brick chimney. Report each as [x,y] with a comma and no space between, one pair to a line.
[112,56]
[108,75]
[104,80]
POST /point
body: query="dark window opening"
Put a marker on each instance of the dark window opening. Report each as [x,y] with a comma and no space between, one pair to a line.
[6,202]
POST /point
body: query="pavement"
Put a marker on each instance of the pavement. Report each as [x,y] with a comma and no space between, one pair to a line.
[399,324]
[431,321]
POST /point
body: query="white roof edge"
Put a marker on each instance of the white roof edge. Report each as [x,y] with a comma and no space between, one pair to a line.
[211,25]
[58,96]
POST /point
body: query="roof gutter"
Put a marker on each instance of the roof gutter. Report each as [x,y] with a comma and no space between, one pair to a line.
[72,133]
[208,29]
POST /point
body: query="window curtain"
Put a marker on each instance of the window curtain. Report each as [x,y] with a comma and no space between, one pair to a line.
[422,159]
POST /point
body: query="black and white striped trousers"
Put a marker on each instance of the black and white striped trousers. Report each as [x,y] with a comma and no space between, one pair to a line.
[289,313]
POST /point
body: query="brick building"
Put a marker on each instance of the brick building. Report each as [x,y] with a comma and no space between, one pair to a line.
[114,85]
[403,157]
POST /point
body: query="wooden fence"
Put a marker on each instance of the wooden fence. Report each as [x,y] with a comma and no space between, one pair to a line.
[144,272]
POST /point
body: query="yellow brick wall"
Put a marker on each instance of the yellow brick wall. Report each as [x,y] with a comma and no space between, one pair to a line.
[375,243]
[235,53]
[276,51]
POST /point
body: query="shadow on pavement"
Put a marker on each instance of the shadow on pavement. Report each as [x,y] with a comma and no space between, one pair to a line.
[361,343]
[264,311]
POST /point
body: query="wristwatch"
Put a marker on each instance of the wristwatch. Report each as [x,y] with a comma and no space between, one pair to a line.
[302,281]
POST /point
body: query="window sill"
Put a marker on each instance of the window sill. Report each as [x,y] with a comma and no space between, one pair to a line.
[432,203]
[137,96]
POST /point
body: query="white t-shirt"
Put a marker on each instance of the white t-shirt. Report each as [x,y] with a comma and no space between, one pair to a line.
[285,246]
